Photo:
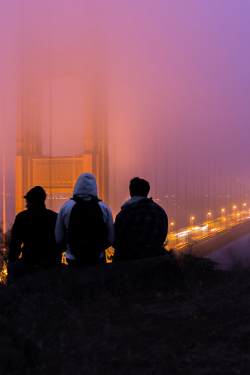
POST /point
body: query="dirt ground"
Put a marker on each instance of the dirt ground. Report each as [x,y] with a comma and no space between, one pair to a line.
[156,316]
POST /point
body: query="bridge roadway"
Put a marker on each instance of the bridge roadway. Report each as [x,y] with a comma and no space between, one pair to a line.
[213,241]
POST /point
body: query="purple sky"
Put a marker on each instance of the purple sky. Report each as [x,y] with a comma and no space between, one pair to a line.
[178,90]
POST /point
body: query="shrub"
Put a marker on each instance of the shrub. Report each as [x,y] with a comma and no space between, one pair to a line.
[4,249]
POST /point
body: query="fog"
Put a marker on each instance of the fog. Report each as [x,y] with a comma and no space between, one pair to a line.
[176,81]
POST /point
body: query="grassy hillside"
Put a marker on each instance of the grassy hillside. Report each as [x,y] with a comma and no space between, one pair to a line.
[156,316]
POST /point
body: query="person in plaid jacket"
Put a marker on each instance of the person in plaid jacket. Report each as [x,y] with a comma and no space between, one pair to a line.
[141,226]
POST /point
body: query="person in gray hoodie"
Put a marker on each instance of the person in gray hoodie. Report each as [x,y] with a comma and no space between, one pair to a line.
[85,188]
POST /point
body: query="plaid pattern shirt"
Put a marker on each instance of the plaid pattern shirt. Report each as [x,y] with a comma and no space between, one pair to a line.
[140,230]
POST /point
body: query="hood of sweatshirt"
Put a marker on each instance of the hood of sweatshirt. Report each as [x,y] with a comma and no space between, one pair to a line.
[85,185]
[134,201]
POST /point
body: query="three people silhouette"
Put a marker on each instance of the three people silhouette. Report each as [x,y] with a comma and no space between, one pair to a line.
[84,228]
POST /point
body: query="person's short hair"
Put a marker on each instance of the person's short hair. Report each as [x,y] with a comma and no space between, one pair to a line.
[138,186]
[36,194]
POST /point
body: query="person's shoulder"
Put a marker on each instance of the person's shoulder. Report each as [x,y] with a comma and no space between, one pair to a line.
[156,206]
[22,215]
[126,213]
[104,206]
[66,208]
[160,209]
[51,213]
[68,204]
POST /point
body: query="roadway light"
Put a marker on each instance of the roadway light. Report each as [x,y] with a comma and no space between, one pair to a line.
[235,213]
[244,206]
[222,212]
[208,214]
[171,226]
[191,221]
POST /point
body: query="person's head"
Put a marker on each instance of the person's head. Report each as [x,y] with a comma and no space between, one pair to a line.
[138,186]
[85,185]
[36,195]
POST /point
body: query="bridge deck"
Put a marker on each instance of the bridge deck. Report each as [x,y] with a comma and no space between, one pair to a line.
[209,244]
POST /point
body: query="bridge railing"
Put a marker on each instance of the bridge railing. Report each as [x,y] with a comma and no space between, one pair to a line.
[184,236]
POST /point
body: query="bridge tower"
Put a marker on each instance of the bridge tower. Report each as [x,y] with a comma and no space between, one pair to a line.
[59,174]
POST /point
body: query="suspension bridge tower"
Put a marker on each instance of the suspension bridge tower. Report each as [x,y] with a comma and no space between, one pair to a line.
[59,174]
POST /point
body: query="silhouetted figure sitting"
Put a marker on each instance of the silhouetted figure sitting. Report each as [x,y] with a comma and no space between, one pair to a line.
[85,224]
[33,237]
[141,226]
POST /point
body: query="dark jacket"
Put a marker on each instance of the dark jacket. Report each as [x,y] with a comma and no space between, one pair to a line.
[34,229]
[140,229]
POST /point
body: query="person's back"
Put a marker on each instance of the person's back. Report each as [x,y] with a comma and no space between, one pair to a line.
[141,226]
[85,224]
[34,229]
[33,234]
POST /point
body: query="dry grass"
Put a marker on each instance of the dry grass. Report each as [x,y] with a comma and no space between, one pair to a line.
[156,316]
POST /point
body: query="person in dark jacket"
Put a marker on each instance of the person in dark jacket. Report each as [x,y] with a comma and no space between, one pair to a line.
[33,237]
[141,226]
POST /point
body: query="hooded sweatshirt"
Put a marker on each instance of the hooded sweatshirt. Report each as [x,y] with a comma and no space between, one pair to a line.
[85,188]
[135,199]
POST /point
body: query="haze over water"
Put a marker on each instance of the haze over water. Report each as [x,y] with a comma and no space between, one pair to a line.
[177,85]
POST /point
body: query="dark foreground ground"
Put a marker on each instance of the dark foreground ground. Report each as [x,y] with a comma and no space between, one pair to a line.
[155,316]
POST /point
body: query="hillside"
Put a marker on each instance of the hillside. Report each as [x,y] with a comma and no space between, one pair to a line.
[156,316]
